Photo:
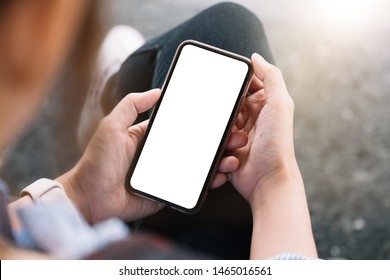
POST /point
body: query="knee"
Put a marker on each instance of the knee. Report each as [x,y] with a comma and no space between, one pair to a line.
[236,28]
[229,7]
[235,20]
[235,13]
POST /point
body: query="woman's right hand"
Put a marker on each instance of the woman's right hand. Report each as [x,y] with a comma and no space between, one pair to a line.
[268,176]
[267,119]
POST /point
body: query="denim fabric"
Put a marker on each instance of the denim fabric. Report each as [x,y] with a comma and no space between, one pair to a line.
[226,25]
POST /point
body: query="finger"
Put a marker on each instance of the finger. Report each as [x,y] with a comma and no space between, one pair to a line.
[269,74]
[250,110]
[237,140]
[255,85]
[141,125]
[136,132]
[228,164]
[133,104]
[255,99]
[241,118]
[219,180]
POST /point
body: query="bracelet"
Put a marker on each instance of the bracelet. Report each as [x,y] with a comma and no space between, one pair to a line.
[45,190]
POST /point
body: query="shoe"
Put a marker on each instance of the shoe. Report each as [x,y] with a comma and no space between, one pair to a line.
[120,42]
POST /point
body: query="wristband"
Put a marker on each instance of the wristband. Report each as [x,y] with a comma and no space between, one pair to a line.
[45,190]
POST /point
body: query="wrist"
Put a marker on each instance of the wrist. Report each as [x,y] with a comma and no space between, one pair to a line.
[74,192]
[44,191]
[279,206]
[284,180]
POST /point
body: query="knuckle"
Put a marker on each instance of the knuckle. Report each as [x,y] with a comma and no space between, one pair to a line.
[284,103]
[287,102]
[128,100]
[109,124]
[274,70]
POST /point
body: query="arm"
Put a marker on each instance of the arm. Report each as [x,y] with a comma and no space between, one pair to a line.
[96,183]
[268,176]
[103,167]
[281,220]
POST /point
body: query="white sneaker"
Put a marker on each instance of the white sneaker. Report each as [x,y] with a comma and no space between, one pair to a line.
[119,43]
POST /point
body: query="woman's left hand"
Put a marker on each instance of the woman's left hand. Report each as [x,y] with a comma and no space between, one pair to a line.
[96,183]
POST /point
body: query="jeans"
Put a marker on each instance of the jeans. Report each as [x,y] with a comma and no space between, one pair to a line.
[223,227]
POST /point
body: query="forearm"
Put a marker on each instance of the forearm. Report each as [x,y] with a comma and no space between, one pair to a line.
[281,219]
[70,184]
[56,191]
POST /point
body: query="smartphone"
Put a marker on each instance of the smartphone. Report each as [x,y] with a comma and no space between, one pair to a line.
[188,129]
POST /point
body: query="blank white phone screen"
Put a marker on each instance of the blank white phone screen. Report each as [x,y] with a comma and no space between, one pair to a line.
[189,126]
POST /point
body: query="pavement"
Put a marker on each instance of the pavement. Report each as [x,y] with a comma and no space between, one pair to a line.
[336,64]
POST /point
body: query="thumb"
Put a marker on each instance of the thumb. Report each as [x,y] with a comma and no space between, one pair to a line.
[269,74]
[133,104]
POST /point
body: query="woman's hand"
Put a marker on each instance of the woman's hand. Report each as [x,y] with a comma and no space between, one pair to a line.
[267,118]
[96,183]
[268,176]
